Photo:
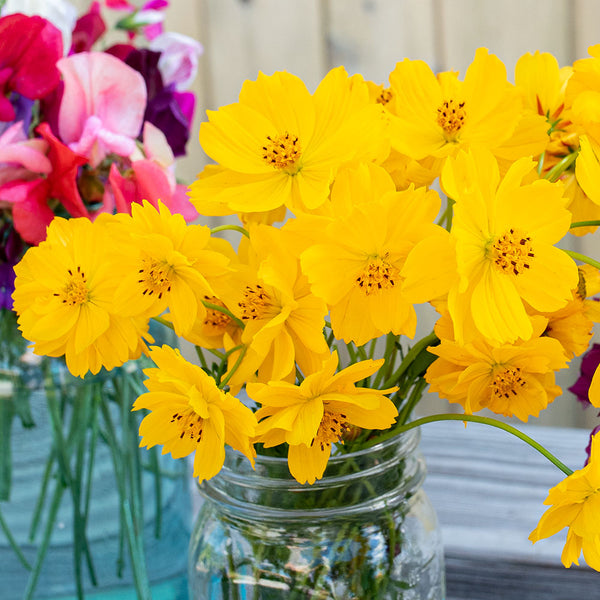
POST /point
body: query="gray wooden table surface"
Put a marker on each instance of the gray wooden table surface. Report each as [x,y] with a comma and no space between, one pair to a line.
[488,489]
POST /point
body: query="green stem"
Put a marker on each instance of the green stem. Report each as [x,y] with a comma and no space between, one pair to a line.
[201,358]
[540,166]
[560,167]
[135,550]
[390,356]
[595,223]
[225,311]
[230,228]
[13,543]
[37,513]
[164,322]
[235,367]
[583,258]
[474,419]
[413,400]
[43,547]
[155,468]
[410,356]
[372,348]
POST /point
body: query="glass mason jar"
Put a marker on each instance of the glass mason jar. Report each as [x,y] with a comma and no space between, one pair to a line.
[366,530]
[49,417]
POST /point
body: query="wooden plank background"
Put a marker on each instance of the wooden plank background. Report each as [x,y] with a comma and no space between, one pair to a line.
[309,37]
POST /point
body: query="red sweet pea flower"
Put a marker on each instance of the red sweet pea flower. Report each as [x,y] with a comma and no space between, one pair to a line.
[30,48]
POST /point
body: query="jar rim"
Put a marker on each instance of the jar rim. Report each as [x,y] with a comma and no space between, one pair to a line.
[411,439]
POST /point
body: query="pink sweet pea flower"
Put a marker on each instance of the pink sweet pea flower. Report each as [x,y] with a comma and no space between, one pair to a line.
[102,106]
[26,194]
[30,48]
[151,177]
[29,207]
[178,62]
[20,157]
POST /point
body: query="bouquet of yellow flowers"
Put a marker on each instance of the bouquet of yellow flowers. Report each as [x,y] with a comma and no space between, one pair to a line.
[313,317]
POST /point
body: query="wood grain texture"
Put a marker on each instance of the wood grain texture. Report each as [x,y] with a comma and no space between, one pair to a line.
[488,490]
[371,36]
[245,37]
[586,32]
[508,29]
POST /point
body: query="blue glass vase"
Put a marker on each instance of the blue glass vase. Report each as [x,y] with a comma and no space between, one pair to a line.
[84,512]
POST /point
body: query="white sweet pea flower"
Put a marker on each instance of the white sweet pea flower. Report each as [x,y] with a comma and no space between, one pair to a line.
[61,13]
[178,61]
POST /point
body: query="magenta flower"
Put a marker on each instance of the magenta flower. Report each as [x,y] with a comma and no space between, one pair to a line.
[588,448]
[589,363]
[30,48]
[88,30]
[102,106]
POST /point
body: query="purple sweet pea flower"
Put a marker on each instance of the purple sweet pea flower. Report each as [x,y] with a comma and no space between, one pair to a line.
[11,248]
[167,109]
[590,362]
[22,107]
[588,448]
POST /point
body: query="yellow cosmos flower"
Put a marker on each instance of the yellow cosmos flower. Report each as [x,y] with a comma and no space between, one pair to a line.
[573,325]
[64,298]
[280,145]
[509,379]
[283,321]
[503,235]
[165,264]
[543,85]
[356,268]
[576,504]
[437,116]
[191,414]
[317,413]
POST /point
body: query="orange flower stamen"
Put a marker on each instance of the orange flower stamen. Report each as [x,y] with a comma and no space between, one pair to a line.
[512,252]
[154,277]
[378,275]
[332,428]
[256,303]
[282,152]
[75,291]
[451,116]
[506,382]
[189,425]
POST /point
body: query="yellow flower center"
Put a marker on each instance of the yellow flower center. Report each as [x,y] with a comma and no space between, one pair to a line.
[385,96]
[256,303]
[189,424]
[378,275]
[451,116]
[154,277]
[512,252]
[332,428]
[215,319]
[507,382]
[75,291]
[282,152]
